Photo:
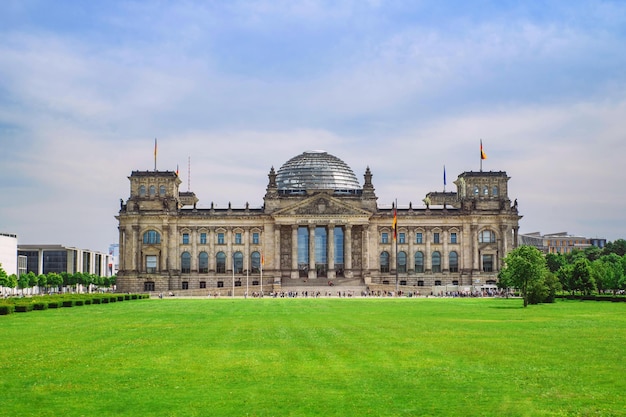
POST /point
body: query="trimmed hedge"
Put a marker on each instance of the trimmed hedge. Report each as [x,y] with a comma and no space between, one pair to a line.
[25,304]
[6,309]
[23,308]
[598,297]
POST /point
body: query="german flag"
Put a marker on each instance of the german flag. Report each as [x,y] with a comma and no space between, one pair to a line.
[394,225]
[483,155]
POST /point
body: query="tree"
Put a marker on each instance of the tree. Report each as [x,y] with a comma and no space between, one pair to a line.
[23,280]
[4,278]
[581,276]
[554,261]
[525,269]
[607,272]
[618,247]
[565,276]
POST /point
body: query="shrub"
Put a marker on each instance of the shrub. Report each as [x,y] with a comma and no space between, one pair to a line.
[68,303]
[127,297]
[96,301]
[120,298]
[79,302]
[54,304]
[40,305]
[105,300]
[6,309]
[23,308]
[88,301]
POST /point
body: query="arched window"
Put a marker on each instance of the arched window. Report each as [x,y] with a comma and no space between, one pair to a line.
[454,262]
[162,191]
[185,262]
[151,237]
[203,263]
[384,262]
[494,191]
[476,190]
[486,190]
[436,262]
[220,266]
[238,262]
[142,191]
[486,236]
[152,191]
[419,262]
[255,262]
[402,262]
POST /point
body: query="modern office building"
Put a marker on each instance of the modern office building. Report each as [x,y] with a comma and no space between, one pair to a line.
[317,224]
[44,259]
[561,242]
[8,253]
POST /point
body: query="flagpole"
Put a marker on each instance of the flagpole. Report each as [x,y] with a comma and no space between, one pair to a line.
[155,154]
[262,260]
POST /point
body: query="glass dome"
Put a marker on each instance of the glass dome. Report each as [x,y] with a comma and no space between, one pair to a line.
[316,170]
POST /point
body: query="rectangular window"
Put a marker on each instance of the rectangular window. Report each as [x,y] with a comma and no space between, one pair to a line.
[238,238]
[202,284]
[255,238]
[453,238]
[487,263]
[185,285]
[220,238]
[185,238]
[384,238]
[401,238]
[148,286]
[435,237]
[418,238]
[151,264]
[203,238]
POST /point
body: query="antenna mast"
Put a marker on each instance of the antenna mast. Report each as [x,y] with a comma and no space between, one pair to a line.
[189,173]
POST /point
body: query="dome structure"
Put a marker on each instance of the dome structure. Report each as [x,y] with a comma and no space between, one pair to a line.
[316,170]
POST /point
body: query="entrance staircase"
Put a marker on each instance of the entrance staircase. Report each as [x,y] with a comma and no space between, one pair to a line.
[354,287]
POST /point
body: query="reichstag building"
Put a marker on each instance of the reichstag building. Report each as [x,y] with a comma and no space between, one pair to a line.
[318,224]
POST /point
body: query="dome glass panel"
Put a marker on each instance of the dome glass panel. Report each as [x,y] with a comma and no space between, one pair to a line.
[316,170]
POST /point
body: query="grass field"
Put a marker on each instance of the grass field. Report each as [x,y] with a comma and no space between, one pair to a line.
[323,357]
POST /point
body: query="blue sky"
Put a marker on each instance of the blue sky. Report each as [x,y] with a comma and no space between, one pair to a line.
[404,87]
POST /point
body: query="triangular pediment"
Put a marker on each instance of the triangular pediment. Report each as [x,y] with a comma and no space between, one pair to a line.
[321,205]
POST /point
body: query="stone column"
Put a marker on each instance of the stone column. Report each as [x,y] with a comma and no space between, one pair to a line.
[445,267]
[294,251]
[194,249]
[135,249]
[428,258]
[173,248]
[347,248]
[275,261]
[312,271]
[365,256]
[331,251]
[475,252]
[246,249]
[164,258]
[410,257]
[229,251]
[211,239]
[122,245]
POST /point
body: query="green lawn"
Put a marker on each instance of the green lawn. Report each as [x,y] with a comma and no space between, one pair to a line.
[325,357]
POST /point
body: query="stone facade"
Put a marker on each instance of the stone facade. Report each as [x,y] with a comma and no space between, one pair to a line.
[458,238]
